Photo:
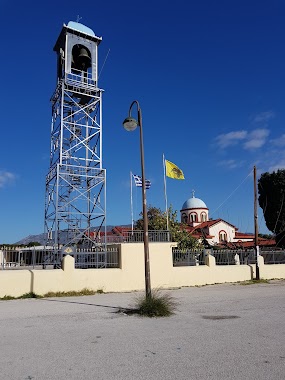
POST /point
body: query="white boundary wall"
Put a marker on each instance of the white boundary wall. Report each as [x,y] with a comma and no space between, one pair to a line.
[130,276]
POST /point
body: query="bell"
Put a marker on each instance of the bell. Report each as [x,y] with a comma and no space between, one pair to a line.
[84,59]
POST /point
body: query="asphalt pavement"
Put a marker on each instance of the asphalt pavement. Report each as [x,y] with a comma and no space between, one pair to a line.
[218,332]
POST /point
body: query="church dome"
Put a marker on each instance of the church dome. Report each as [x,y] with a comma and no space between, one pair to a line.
[81,28]
[193,203]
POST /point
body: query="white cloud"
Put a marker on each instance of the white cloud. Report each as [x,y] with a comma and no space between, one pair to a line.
[251,140]
[263,117]
[275,167]
[6,177]
[256,138]
[269,160]
[232,138]
[231,164]
[279,141]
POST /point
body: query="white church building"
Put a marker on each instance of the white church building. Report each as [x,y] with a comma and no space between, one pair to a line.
[195,214]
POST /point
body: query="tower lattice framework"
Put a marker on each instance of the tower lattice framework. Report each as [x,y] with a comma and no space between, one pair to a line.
[76,181]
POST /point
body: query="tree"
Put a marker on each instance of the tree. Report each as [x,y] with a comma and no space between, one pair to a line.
[33,244]
[271,189]
[157,222]
[266,236]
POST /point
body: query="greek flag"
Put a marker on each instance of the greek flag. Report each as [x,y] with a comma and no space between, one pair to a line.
[138,181]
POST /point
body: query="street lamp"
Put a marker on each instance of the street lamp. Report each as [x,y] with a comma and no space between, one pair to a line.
[130,124]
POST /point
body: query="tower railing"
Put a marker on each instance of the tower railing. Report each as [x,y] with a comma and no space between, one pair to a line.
[81,80]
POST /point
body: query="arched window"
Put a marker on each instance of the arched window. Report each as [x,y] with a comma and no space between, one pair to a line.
[184,218]
[203,217]
[223,236]
[193,217]
[81,57]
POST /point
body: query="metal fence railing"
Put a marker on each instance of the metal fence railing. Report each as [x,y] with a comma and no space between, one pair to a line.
[228,257]
[33,258]
[273,257]
[184,257]
[246,256]
[137,236]
[225,257]
[77,80]
[108,258]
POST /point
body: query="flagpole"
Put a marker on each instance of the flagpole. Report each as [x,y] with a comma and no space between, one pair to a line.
[165,196]
[132,213]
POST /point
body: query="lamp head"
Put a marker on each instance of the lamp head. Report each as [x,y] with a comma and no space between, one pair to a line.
[130,124]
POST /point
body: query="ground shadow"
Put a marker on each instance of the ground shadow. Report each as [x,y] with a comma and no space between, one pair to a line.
[117,308]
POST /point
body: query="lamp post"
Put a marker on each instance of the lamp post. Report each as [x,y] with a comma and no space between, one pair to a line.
[130,124]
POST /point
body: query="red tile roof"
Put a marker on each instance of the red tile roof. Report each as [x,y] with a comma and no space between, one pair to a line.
[243,235]
[261,243]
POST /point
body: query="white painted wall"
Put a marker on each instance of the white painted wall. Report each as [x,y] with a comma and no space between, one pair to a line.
[130,276]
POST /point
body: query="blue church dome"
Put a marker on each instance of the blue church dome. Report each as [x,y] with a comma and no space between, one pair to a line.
[194,203]
[81,28]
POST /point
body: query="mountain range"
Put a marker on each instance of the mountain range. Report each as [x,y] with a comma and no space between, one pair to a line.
[40,238]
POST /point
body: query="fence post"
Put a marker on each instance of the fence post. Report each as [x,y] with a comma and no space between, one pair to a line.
[197,259]
[209,259]
[68,263]
[2,258]
[237,259]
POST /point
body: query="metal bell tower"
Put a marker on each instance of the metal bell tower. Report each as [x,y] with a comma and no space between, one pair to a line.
[75,201]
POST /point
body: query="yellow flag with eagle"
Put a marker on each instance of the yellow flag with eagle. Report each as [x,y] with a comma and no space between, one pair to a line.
[173,170]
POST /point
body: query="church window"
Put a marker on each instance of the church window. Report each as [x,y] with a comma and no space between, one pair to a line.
[223,236]
[193,217]
[203,217]
[184,218]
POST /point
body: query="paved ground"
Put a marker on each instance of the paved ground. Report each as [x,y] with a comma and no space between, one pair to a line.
[218,332]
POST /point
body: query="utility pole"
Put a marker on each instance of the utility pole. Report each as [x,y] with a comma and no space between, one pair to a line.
[256,247]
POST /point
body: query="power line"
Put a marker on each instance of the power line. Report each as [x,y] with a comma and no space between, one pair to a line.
[232,192]
[104,63]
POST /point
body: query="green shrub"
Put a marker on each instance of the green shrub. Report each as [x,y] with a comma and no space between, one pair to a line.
[72,293]
[7,298]
[157,305]
[29,295]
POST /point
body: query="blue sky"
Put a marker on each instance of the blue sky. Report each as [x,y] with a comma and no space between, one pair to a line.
[210,79]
